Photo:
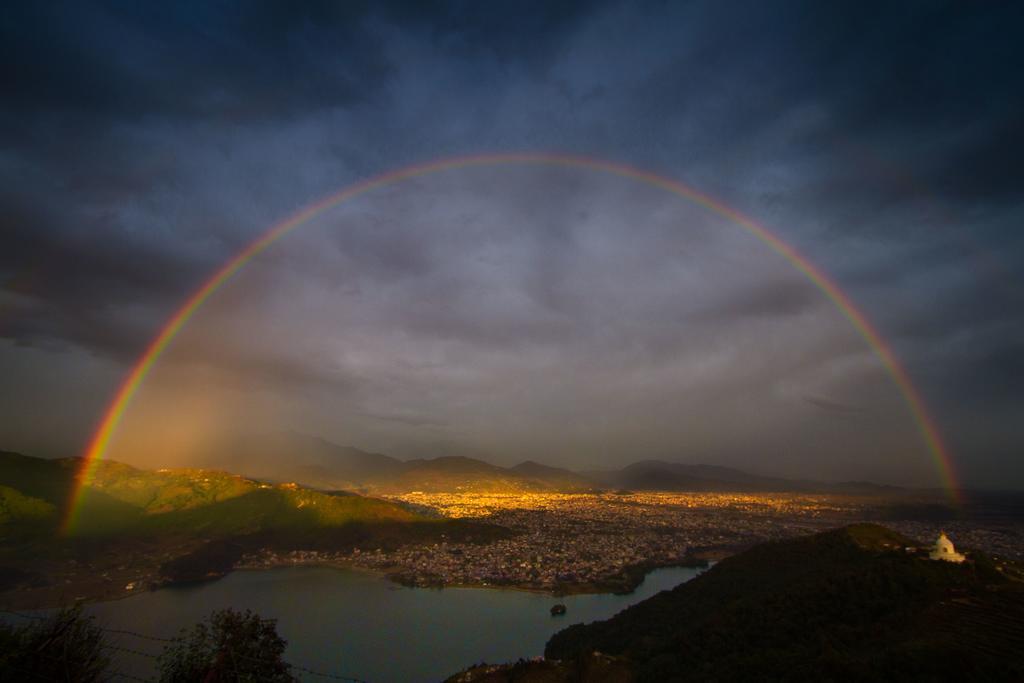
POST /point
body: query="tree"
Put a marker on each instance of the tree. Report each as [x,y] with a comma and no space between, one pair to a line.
[229,647]
[65,646]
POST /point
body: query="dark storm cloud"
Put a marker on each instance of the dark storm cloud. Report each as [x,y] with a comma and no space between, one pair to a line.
[923,94]
[235,61]
[143,144]
[65,282]
[90,90]
[243,60]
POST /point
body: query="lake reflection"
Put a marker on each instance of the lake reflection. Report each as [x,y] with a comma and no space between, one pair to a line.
[356,624]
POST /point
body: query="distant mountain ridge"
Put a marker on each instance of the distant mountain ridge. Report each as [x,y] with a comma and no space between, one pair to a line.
[318,463]
[556,476]
[315,462]
[658,475]
[291,456]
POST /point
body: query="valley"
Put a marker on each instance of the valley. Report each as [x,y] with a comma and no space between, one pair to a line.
[453,525]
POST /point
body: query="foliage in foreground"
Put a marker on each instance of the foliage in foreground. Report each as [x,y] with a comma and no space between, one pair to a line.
[229,646]
[67,646]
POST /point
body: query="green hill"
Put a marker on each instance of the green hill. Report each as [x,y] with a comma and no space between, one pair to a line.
[167,490]
[136,525]
[120,498]
[279,507]
[850,604]
[17,507]
[48,480]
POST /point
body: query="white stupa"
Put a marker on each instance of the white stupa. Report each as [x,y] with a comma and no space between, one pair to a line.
[943,550]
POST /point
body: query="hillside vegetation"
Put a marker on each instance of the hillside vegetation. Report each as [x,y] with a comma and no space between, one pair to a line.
[846,604]
[138,527]
[16,506]
[122,499]
[850,604]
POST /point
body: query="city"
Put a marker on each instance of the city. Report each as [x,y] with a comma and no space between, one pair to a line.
[571,543]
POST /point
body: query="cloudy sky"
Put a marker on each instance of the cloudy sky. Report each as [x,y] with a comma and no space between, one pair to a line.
[519,311]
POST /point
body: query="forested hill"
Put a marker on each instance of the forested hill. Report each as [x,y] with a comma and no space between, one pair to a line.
[848,604]
[120,499]
[852,604]
[140,528]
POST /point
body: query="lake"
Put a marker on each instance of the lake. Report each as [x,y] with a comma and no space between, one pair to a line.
[357,624]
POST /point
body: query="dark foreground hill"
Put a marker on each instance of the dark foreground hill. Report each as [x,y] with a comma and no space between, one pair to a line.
[851,604]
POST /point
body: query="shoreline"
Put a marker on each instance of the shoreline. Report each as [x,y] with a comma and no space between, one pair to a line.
[634,577]
[579,589]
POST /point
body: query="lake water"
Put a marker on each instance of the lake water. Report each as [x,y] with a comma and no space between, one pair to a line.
[356,624]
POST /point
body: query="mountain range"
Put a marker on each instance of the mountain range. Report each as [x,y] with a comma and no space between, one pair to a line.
[315,462]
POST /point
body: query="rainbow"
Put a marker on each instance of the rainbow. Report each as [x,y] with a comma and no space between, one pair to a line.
[115,412]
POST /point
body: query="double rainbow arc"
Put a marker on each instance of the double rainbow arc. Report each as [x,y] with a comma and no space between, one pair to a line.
[107,427]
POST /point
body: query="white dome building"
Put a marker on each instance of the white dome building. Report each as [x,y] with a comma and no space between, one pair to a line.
[944,550]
